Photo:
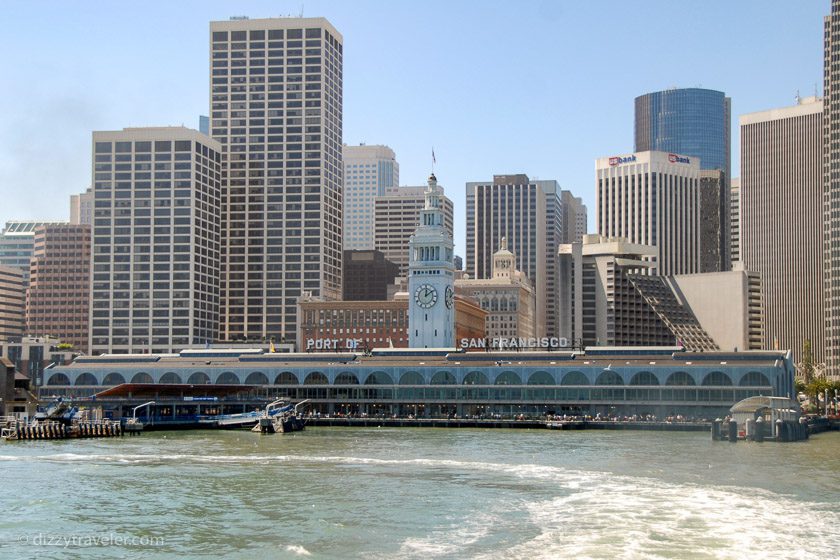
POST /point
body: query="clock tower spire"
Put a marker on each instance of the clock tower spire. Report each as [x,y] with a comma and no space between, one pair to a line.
[431,277]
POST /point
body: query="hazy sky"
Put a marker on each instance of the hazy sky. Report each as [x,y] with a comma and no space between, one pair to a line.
[535,87]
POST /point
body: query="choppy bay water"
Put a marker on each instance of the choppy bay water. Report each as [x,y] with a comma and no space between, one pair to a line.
[420,493]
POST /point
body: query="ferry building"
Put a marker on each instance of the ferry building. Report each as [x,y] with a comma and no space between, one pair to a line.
[436,376]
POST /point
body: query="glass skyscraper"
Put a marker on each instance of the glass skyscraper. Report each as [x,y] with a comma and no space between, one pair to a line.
[692,121]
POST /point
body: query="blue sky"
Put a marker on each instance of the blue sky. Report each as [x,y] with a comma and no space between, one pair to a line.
[535,87]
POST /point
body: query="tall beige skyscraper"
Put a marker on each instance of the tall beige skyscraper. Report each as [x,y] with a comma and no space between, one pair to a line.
[831,189]
[276,109]
[781,220]
[155,285]
[369,171]
[397,216]
[652,198]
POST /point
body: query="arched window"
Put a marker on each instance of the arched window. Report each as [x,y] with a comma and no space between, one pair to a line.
[86,379]
[256,378]
[508,378]
[113,378]
[754,379]
[379,378]
[412,378]
[198,378]
[574,378]
[644,378]
[286,378]
[58,379]
[541,378]
[316,378]
[227,378]
[717,379]
[609,377]
[443,378]
[142,377]
[346,378]
[476,378]
[170,377]
[679,378]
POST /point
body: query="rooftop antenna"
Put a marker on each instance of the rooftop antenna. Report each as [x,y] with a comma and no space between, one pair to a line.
[815,90]
[301,10]
[796,98]
[434,161]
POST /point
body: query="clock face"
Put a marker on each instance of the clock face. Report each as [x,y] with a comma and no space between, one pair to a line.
[449,297]
[426,296]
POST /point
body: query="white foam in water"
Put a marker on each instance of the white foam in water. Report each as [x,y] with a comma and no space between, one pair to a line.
[297,549]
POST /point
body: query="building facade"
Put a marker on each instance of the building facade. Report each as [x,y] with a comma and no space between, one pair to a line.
[831,189]
[396,217]
[17,243]
[156,237]
[342,326]
[623,381]
[728,305]
[715,229]
[31,355]
[652,198]
[507,297]
[58,296]
[276,110]
[367,275]
[735,221]
[613,301]
[431,277]
[12,303]
[515,208]
[81,208]
[691,121]
[369,171]
[781,160]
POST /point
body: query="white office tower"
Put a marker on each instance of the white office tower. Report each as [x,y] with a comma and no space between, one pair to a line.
[369,171]
[431,278]
[652,198]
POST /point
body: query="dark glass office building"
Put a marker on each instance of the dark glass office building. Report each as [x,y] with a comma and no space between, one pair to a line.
[693,121]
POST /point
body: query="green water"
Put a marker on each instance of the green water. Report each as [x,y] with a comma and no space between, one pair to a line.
[420,493]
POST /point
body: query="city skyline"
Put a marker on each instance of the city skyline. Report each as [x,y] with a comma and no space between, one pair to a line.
[553,126]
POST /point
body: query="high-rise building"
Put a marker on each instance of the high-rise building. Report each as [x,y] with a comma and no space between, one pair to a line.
[204,124]
[81,208]
[12,303]
[782,220]
[735,220]
[369,171]
[276,109]
[367,275]
[574,218]
[155,285]
[17,242]
[692,121]
[396,217]
[831,186]
[431,278]
[652,198]
[715,207]
[535,217]
[58,297]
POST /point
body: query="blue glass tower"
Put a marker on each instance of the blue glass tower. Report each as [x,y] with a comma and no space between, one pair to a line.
[692,121]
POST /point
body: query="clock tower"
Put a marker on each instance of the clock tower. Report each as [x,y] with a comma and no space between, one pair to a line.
[431,278]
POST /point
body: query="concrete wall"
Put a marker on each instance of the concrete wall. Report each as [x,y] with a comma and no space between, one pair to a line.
[720,301]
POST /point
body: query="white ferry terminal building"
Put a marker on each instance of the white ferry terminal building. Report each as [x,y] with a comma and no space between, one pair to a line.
[433,378]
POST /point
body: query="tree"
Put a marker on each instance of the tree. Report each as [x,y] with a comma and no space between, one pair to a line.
[806,366]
